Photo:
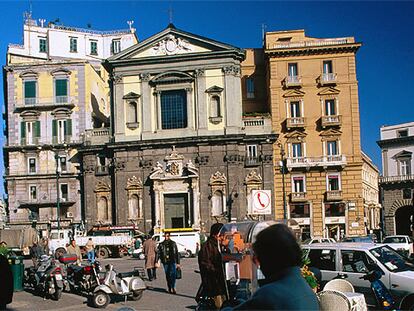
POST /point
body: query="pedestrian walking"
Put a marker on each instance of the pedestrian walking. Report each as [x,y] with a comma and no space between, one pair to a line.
[75,250]
[170,258]
[279,257]
[36,251]
[45,245]
[6,284]
[211,267]
[90,250]
[151,258]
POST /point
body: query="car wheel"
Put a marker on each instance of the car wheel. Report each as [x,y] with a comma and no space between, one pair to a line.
[103,252]
[100,299]
[187,254]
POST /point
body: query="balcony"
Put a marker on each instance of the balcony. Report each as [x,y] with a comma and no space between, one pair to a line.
[327,121]
[292,81]
[297,122]
[46,201]
[34,142]
[322,161]
[333,195]
[102,170]
[327,78]
[257,124]
[252,161]
[298,197]
[97,136]
[44,103]
[396,179]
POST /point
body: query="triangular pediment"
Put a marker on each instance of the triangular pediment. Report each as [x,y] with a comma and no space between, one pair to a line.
[131,95]
[295,134]
[328,91]
[172,42]
[294,93]
[331,132]
[214,89]
[403,154]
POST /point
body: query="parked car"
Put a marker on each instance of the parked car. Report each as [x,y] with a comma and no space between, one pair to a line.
[354,260]
[360,239]
[318,240]
[401,243]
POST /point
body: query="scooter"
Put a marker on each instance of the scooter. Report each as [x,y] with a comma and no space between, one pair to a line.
[381,293]
[46,279]
[122,285]
[83,278]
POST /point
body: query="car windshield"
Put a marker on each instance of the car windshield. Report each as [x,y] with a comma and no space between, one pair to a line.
[361,239]
[391,259]
[394,239]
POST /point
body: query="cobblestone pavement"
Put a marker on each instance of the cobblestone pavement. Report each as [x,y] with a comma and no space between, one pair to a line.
[154,298]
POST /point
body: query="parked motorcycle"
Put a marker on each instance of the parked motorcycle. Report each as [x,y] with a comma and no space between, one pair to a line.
[381,292]
[46,278]
[117,285]
[83,278]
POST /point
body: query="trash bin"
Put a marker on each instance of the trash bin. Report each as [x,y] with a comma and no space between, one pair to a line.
[17,267]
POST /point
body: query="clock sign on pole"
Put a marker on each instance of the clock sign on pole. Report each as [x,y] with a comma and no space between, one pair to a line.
[262,203]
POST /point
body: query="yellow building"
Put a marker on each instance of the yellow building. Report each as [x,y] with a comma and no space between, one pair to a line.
[313,98]
[370,194]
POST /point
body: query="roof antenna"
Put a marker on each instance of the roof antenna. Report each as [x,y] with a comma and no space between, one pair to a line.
[263,33]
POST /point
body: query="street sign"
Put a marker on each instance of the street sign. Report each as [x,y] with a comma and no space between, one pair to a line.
[261,202]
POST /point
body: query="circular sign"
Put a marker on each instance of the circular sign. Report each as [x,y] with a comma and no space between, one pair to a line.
[261,200]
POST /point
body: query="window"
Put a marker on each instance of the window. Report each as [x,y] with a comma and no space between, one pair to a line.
[173,109]
[299,210]
[252,151]
[405,167]
[61,91]
[61,131]
[73,45]
[407,193]
[30,132]
[217,204]
[64,194]
[116,46]
[292,69]
[133,207]
[298,184]
[63,164]
[323,259]
[330,108]
[94,47]
[402,133]
[132,115]
[332,147]
[295,109]
[250,88]
[355,261]
[29,92]
[42,45]
[333,182]
[297,150]
[215,109]
[334,209]
[32,165]
[33,193]
[327,67]
[101,160]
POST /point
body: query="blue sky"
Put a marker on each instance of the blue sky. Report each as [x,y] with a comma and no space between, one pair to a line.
[384,28]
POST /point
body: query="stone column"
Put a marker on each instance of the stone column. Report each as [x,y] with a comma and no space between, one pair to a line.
[157,109]
[201,113]
[119,108]
[147,107]
[196,203]
[232,99]
[190,110]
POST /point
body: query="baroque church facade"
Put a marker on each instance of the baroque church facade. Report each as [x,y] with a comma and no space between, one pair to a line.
[181,152]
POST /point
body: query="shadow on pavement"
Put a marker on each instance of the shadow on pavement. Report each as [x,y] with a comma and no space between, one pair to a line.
[163,290]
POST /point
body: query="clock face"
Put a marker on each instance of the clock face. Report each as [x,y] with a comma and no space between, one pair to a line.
[170,46]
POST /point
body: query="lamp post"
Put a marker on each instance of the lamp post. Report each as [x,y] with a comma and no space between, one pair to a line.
[57,189]
[282,165]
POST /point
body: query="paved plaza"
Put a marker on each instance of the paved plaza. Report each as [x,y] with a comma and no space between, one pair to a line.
[154,298]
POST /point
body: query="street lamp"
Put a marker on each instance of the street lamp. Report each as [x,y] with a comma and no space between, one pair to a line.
[282,164]
[57,158]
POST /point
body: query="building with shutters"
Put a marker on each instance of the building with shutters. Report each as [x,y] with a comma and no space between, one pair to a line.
[55,90]
[313,99]
[186,148]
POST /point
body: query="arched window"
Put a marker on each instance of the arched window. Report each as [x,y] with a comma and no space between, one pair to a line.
[133,202]
[132,112]
[215,106]
[217,203]
[103,211]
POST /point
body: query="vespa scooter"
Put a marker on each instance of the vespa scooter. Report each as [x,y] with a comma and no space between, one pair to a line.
[117,285]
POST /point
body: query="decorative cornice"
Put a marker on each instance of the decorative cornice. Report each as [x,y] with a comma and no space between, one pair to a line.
[346,48]
[134,183]
[253,178]
[217,179]
[232,70]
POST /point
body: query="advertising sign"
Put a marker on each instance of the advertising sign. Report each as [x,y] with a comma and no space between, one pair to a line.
[261,202]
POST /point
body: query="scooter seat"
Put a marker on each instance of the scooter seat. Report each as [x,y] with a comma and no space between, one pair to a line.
[126,274]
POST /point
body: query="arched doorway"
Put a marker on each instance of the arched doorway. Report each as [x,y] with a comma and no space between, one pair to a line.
[403,220]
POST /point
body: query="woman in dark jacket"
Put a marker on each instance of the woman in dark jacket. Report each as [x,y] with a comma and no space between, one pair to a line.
[6,284]
[211,267]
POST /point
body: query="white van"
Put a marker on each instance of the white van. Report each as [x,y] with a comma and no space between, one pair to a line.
[188,242]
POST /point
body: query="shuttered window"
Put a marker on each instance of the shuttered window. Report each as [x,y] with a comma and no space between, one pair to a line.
[61,87]
[29,89]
